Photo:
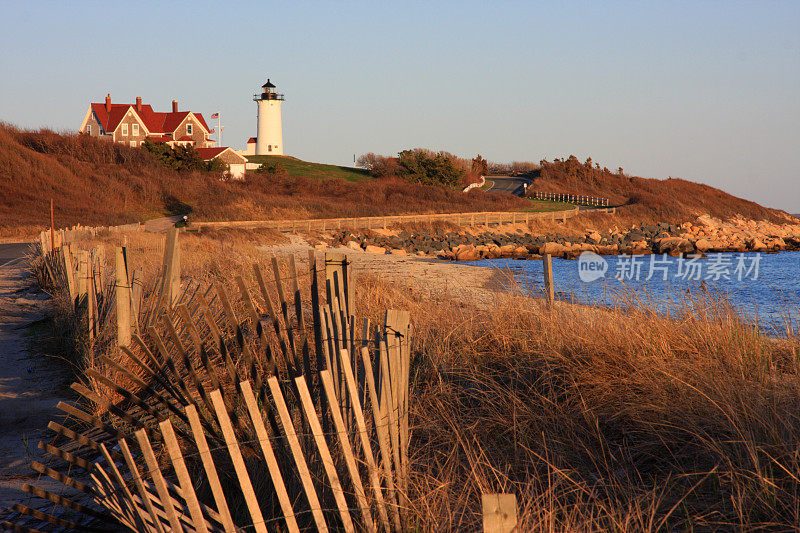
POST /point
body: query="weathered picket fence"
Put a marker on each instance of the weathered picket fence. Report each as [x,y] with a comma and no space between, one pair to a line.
[256,410]
[215,410]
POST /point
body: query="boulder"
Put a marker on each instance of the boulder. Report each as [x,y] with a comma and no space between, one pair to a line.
[673,245]
[776,243]
[353,245]
[704,245]
[607,249]
[375,249]
[520,251]
[398,251]
[468,254]
[507,250]
[552,248]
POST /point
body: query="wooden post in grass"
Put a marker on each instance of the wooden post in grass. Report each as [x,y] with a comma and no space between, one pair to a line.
[123,289]
[499,513]
[69,272]
[547,268]
[171,287]
[52,228]
[336,273]
[91,295]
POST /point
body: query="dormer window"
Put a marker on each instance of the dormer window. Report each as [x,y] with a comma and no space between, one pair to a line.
[188,129]
[135,130]
[124,130]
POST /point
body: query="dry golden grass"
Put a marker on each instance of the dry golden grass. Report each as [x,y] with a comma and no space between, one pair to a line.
[597,419]
[646,200]
[98,183]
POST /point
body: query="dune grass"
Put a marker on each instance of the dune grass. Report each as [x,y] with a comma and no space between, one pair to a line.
[597,419]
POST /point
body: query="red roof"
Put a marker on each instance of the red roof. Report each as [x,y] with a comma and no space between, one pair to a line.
[210,153]
[154,122]
[251,140]
[185,138]
[159,138]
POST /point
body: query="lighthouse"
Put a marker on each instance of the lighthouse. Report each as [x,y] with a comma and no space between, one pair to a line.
[269,137]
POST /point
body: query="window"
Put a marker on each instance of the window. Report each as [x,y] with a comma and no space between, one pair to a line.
[124,130]
[269,148]
[89,129]
[133,144]
[188,129]
[135,130]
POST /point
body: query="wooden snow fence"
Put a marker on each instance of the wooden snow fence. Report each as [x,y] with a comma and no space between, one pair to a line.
[255,408]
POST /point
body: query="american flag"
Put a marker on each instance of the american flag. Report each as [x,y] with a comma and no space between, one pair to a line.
[215,115]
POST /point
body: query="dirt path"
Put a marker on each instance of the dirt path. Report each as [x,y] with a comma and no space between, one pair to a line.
[30,385]
[161,225]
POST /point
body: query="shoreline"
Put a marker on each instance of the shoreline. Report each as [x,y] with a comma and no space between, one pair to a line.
[520,241]
[482,284]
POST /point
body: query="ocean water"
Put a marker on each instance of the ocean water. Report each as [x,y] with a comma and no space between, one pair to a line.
[765,288]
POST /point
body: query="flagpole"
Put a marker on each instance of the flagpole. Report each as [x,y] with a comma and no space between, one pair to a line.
[219,128]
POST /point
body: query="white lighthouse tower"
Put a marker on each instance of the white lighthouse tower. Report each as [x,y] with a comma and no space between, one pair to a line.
[269,138]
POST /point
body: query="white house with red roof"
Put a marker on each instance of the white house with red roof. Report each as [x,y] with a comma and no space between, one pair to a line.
[132,124]
[237,164]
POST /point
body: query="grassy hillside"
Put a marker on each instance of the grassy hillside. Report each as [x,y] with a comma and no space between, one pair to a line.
[98,183]
[304,169]
[645,199]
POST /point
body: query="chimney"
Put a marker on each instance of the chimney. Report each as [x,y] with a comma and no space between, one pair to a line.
[108,103]
[174,106]
[138,104]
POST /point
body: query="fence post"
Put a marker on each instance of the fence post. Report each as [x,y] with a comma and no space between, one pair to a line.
[171,287]
[499,513]
[91,297]
[336,273]
[547,268]
[52,228]
[123,289]
[83,266]
[69,271]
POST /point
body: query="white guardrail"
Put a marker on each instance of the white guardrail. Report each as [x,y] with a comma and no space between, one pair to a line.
[475,185]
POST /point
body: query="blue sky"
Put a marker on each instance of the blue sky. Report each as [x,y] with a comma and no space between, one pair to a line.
[708,91]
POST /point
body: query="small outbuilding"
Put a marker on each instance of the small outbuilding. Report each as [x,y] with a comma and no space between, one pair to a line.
[236,163]
[251,146]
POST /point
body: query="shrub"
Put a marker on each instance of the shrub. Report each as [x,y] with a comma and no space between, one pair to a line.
[430,168]
[184,158]
[378,165]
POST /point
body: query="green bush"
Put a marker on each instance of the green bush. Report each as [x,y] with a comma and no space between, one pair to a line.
[183,158]
[429,168]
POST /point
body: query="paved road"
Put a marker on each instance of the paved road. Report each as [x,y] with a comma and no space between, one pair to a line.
[515,186]
[13,253]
